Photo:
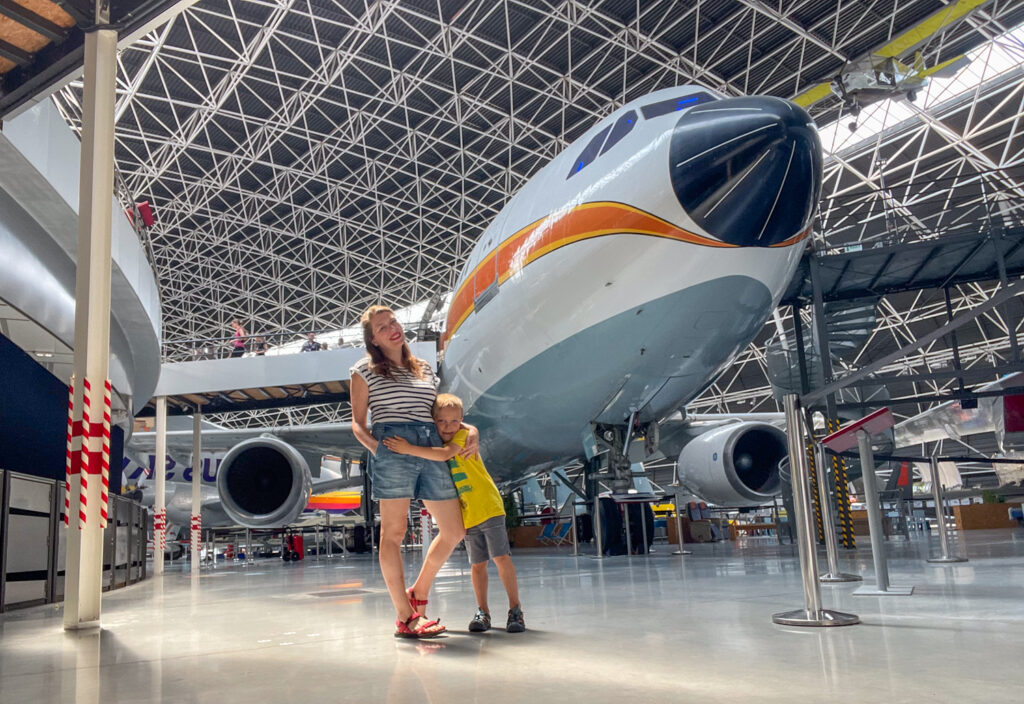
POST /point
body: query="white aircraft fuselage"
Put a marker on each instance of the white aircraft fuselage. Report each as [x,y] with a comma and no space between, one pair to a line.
[628,273]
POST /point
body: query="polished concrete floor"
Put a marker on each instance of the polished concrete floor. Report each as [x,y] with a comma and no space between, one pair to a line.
[625,629]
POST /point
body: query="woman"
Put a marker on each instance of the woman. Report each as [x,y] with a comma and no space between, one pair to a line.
[399,391]
[238,340]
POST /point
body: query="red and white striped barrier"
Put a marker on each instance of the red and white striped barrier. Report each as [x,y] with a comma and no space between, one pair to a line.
[105,457]
[95,451]
[74,446]
[160,530]
[197,530]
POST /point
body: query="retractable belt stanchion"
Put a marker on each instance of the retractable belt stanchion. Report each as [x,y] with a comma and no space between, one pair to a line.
[426,533]
[859,433]
[629,533]
[874,509]
[940,517]
[679,528]
[833,574]
[575,538]
[812,614]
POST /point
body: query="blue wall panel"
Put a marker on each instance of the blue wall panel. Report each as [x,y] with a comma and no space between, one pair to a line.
[33,419]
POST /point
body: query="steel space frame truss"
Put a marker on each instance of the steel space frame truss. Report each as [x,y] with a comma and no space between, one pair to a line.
[307,158]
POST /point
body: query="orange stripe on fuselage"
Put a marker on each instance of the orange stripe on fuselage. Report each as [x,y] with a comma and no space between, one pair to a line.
[558,230]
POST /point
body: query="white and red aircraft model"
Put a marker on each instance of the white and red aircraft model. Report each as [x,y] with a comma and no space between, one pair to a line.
[619,282]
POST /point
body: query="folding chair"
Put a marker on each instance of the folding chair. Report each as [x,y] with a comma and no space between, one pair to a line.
[545,535]
[561,535]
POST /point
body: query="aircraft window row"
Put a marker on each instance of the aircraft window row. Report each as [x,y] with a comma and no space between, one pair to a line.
[590,152]
[621,128]
[597,146]
[664,107]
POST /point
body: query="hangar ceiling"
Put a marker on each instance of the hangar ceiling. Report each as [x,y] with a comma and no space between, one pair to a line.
[307,158]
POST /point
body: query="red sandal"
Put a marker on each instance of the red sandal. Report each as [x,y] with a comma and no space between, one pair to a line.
[413,601]
[428,629]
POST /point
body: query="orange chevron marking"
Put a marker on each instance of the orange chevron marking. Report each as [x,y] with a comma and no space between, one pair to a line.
[562,228]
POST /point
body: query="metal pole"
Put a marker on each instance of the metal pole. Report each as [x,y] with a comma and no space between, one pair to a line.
[834,574]
[598,533]
[679,527]
[629,533]
[643,528]
[426,534]
[940,516]
[248,546]
[197,491]
[874,509]
[575,541]
[812,614]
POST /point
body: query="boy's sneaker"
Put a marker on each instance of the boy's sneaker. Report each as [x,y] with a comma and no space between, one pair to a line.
[516,624]
[481,622]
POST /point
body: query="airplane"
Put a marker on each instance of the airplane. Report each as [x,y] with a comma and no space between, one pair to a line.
[611,290]
[137,480]
[882,74]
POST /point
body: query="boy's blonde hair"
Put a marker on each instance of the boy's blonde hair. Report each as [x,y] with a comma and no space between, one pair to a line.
[447,401]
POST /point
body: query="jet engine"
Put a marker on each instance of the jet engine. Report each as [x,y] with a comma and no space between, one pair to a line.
[734,465]
[264,482]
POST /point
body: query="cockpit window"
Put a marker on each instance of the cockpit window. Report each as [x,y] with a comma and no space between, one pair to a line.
[621,128]
[664,107]
[590,152]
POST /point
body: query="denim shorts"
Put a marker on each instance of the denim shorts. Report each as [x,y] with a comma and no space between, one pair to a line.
[396,476]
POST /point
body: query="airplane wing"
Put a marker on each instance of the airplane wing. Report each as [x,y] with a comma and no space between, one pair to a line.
[325,438]
[812,95]
[951,421]
[946,69]
[919,34]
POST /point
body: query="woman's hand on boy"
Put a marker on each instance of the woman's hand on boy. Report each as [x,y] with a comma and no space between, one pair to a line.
[396,444]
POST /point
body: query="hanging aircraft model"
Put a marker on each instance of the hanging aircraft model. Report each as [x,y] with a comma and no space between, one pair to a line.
[611,290]
[883,74]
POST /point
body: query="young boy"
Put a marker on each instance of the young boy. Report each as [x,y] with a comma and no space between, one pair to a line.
[483,512]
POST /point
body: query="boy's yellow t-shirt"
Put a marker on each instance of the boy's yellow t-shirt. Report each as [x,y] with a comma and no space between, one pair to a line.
[478,495]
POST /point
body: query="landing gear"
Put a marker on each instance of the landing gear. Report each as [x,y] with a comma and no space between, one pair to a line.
[622,445]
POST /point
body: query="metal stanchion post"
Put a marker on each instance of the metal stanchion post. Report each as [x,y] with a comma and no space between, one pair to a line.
[833,574]
[812,614]
[643,528]
[940,517]
[248,547]
[873,506]
[575,539]
[427,535]
[679,528]
[629,533]
[598,534]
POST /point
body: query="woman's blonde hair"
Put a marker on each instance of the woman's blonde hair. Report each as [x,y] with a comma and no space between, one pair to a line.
[379,363]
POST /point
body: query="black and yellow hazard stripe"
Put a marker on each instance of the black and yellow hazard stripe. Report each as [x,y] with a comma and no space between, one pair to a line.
[842,496]
[814,492]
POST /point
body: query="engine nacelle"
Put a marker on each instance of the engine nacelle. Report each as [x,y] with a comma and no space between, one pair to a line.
[734,465]
[264,482]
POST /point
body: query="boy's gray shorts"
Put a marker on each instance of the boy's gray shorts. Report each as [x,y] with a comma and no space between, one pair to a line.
[487,540]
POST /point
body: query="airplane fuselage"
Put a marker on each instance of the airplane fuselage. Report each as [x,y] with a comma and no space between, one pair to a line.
[630,271]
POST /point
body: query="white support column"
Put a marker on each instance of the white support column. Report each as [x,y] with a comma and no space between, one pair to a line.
[160,500]
[84,567]
[196,530]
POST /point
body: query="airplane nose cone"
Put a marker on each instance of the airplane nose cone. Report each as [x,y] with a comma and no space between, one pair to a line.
[747,170]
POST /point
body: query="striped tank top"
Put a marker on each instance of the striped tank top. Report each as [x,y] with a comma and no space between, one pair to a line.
[402,398]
